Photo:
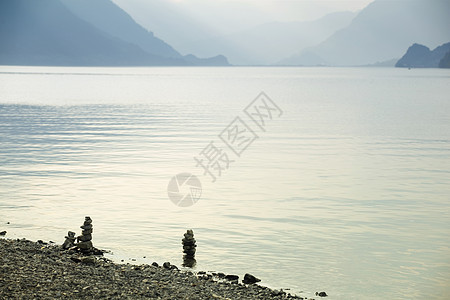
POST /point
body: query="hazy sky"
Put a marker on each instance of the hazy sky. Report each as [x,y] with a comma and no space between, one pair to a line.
[281,10]
[232,15]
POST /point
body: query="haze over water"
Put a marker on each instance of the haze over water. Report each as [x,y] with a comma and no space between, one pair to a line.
[346,192]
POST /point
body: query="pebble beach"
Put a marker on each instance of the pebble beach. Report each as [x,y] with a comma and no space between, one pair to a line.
[40,270]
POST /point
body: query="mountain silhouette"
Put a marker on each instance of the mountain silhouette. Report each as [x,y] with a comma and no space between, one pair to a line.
[380,32]
[111,19]
[269,42]
[420,56]
[47,32]
[445,61]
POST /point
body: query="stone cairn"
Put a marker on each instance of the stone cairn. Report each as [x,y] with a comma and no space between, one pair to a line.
[84,241]
[189,249]
[70,240]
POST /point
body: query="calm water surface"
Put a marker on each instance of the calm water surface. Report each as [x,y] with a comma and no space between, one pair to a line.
[347,192]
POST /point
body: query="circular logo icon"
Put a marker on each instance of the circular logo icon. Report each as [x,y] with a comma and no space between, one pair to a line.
[184,189]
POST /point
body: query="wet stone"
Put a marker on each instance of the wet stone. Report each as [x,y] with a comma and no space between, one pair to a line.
[232,277]
[250,279]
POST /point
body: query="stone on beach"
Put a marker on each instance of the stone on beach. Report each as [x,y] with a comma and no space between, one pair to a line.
[232,277]
[189,261]
[3,233]
[189,248]
[250,279]
[70,240]
[84,241]
[189,244]
[37,272]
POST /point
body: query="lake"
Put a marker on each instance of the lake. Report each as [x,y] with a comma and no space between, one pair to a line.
[345,189]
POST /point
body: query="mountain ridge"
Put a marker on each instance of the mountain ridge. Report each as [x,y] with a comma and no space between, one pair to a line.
[380,32]
[47,32]
[269,42]
[420,56]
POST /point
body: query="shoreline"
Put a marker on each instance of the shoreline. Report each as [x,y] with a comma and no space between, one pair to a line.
[46,271]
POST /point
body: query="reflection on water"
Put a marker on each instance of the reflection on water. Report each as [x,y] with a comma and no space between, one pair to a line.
[347,192]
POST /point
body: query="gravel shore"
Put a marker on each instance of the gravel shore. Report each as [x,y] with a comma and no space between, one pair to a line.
[36,270]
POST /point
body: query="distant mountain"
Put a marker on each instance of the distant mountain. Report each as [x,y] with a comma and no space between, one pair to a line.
[268,43]
[47,32]
[445,62]
[380,32]
[420,56]
[218,60]
[111,19]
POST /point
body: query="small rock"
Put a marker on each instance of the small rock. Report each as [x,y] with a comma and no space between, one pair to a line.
[3,233]
[75,259]
[166,265]
[231,277]
[70,240]
[155,264]
[321,294]
[98,251]
[88,260]
[250,279]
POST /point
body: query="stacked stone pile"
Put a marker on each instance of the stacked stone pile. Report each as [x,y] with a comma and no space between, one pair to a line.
[189,248]
[84,241]
[189,244]
[70,240]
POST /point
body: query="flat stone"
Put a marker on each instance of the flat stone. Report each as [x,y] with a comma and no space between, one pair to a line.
[88,260]
[232,277]
[3,233]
